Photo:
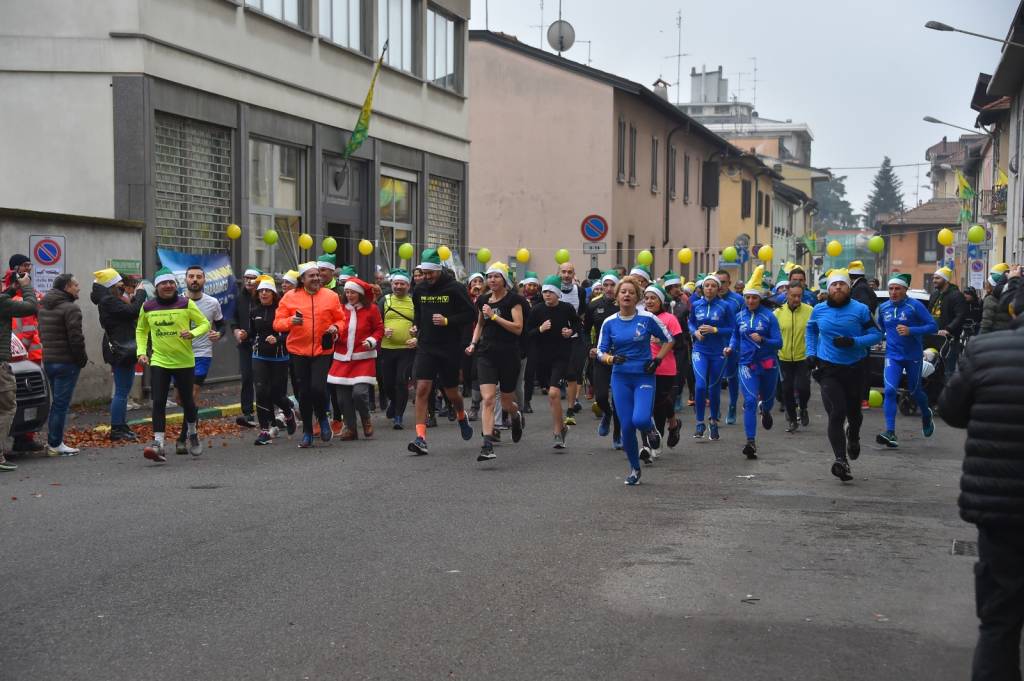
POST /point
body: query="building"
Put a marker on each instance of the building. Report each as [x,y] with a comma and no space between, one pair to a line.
[912,244]
[747,193]
[132,126]
[947,157]
[556,143]
[993,178]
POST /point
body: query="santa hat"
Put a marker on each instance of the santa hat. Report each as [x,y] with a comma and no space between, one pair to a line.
[292,277]
[327,261]
[347,272]
[781,285]
[838,275]
[399,274]
[474,275]
[306,267]
[755,285]
[552,284]
[944,272]
[502,269]
[252,272]
[530,278]
[357,285]
[641,271]
[610,275]
[430,260]
[711,277]
[164,274]
[689,287]
[902,279]
[656,290]
[266,283]
[856,268]
[107,278]
[1002,268]
[996,278]
[670,278]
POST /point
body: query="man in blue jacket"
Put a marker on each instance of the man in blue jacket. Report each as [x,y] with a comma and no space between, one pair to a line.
[839,332]
[759,340]
[905,322]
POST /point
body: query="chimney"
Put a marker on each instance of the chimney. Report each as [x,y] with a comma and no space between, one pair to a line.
[661,89]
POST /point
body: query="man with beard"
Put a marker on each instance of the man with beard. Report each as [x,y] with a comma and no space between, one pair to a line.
[949,308]
[574,294]
[243,301]
[838,333]
[732,361]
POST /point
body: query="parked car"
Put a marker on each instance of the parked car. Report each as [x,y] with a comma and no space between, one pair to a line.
[877,357]
[33,391]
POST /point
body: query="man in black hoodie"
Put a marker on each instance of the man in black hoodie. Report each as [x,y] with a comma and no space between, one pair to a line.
[441,308]
[861,291]
[118,317]
[949,308]
[245,299]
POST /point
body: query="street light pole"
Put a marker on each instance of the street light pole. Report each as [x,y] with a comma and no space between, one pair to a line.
[939,26]
[932,119]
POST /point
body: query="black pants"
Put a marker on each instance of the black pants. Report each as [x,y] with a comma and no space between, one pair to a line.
[311,381]
[841,393]
[529,377]
[602,391]
[664,401]
[395,370]
[354,398]
[684,371]
[271,381]
[248,396]
[999,594]
[796,386]
[336,410]
[160,384]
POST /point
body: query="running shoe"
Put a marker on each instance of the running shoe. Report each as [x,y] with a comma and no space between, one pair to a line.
[645,455]
[841,469]
[263,438]
[432,421]
[180,448]
[486,452]
[750,450]
[325,430]
[558,441]
[606,425]
[397,423]
[570,420]
[337,427]
[634,477]
[713,430]
[852,447]
[617,443]
[473,414]
[577,407]
[805,418]
[195,447]
[518,423]
[791,426]
[929,424]
[466,429]
[698,434]
[766,419]
[307,441]
[419,447]
[6,465]
[888,438]
[656,454]
[289,424]
[596,409]
[673,434]
[730,418]
[61,450]
[155,452]
[246,420]
[654,439]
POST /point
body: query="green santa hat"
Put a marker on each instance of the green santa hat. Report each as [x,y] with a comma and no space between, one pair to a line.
[610,275]
[658,291]
[530,278]
[670,278]
[164,274]
[399,274]
[641,271]
[900,280]
[553,284]
[327,261]
[430,260]
[347,272]
[252,271]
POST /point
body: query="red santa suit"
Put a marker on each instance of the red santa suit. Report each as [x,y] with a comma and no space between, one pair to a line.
[354,362]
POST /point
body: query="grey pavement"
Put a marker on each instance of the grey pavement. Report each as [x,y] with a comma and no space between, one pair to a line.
[357,561]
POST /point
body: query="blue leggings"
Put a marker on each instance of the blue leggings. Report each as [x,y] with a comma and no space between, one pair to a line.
[707,372]
[758,384]
[732,365]
[634,403]
[894,368]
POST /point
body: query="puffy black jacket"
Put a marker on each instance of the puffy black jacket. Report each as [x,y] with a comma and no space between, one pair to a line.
[118,320]
[60,329]
[986,398]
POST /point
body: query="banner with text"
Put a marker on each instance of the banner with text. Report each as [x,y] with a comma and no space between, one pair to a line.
[220,279]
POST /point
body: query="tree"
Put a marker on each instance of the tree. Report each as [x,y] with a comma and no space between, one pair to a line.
[833,208]
[887,195]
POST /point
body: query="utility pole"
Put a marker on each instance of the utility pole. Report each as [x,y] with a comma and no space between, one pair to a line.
[487,14]
[678,56]
[754,98]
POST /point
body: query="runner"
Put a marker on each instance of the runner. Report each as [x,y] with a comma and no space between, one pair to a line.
[599,310]
[732,360]
[441,308]
[552,326]
[245,297]
[531,291]
[625,345]
[289,281]
[642,274]
[574,294]
[905,322]
[398,349]
[311,316]
[269,362]
[712,323]
[759,337]
[680,307]
[796,376]
[655,298]
[202,346]
[838,332]
[170,322]
[327,265]
[495,345]
[354,369]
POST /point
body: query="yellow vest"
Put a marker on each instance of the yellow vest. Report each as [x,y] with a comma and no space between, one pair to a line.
[793,325]
[397,317]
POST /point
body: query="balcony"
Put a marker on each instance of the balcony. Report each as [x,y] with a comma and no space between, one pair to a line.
[992,203]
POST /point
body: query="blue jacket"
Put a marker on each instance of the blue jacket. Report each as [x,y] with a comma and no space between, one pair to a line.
[762,322]
[630,338]
[808,297]
[718,313]
[735,299]
[913,314]
[827,323]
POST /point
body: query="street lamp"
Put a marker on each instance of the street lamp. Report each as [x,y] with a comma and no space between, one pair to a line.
[932,119]
[939,26]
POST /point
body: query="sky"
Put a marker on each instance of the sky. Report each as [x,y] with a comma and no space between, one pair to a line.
[861,74]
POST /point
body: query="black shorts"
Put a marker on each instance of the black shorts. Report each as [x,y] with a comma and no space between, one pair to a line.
[551,370]
[430,365]
[577,359]
[499,367]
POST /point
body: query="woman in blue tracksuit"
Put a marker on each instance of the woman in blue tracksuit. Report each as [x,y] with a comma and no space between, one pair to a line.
[905,322]
[712,323]
[759,340]
[625,344]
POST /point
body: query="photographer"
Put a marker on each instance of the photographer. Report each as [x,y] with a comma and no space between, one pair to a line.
[11,308]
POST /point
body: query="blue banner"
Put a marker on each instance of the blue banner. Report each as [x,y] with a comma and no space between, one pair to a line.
[220,279]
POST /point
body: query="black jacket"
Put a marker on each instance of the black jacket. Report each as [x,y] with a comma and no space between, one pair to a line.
[243,301]
[118,320]
[985,397]
[60,329]
[445,297]
[862,292]
[261,325]
[952,309]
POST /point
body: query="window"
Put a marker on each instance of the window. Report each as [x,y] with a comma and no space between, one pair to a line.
[632,156]
[618,253]
[275,202]
[394,26]
[441,51]
[340,22]
[630,251]
[745,198]
[759,208]
[672,173]
[444,213]
[285,10]
[767,210]
[654,260]
[654,165]
[622,150]
[928,248]
[686,178]
[698,182]
[396,201]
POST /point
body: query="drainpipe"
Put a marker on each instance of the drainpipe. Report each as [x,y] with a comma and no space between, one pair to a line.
[668,190]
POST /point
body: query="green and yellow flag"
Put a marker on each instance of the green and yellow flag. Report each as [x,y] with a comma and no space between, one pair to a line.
[963,188]
[1001,179]
[362,129]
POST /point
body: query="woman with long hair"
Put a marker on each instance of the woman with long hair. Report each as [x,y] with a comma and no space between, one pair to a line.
[354,368]
[270,361]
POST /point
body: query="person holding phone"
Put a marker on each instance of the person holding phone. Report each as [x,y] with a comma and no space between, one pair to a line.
[11,308]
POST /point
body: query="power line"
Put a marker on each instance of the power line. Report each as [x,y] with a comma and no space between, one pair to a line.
[875,167]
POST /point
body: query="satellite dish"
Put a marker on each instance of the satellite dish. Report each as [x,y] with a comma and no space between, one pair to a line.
[561,36]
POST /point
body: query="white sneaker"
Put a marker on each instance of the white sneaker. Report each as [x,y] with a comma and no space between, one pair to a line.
[656,453]
[61,450]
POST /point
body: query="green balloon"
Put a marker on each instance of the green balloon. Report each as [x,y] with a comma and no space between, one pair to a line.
[976,234]
[270,237]
[876,244]
[405,251]
[483,256]
[562,256]
[729,254]
[874,399]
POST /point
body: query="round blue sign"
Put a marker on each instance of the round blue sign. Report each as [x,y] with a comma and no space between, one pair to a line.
[47,252]
[594,228]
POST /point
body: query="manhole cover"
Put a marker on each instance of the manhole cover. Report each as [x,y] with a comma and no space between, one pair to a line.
[204,486]
[965,548]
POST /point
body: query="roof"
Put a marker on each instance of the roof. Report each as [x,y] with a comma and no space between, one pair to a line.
[995,111]
[958,152]
[755,128]
[981,97]
[790,194]
[937,212]
[1010,72]
[617,82]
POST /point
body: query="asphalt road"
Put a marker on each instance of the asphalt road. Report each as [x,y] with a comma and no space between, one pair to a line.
[357,561]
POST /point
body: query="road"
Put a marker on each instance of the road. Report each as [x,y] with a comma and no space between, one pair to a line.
[357,561]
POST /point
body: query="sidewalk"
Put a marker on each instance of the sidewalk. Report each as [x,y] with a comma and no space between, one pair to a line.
[216,401]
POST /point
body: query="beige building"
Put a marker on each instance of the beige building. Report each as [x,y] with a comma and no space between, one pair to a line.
[555,142]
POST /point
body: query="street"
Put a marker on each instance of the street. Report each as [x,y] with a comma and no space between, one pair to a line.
[358,561]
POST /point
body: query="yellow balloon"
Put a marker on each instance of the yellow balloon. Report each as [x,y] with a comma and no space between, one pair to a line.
[685,256]
[444,253]
[834,248]
[765,253]
[365,247]
[330,245]
[234,231]
[523,255]
[483,256]
[946,236]
[645,258]
[305,241]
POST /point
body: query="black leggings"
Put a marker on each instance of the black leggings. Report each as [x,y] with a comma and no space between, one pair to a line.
[160,380]
[796,378]
[311,381]
[271,381]
[841,392]
[664,400]
[602,391]
[395,369]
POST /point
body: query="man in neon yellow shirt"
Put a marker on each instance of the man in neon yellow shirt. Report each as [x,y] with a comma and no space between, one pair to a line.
[169,322]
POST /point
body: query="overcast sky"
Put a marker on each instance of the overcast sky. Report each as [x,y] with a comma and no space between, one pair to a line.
[860,74]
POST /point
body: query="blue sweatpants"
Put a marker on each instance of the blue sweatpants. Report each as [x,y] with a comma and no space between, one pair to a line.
[707,374]
[894,368]
[758,384]
[732,365]
[634,403]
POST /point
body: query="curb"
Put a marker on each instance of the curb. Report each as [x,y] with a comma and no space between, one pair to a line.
[205,413]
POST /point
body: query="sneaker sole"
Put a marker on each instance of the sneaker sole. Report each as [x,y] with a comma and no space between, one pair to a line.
[486,457]
[888,443]
[152,455]
[839,471]
[517,428]
[416,450]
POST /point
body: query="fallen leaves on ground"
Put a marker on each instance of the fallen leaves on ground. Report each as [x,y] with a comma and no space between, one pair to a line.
[87,438]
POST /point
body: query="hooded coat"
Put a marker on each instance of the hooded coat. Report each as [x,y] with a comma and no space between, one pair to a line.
[60,328]
[118,320]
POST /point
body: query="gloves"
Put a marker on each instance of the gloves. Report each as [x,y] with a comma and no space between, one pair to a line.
[618,359]
[652,365]
[816,368]
[812,363]
[842,342]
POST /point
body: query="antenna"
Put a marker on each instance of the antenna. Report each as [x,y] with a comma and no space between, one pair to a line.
[588,42]
[739,84]
[540,25]
[678,56]
[754,98]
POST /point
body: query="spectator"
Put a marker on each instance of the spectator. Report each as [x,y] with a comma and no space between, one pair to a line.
[118,317]
[994,317]
[985,397]
[10,308]
[245,299]
[874,284]
[974,311]
[27,331]
[60,327]
[949,309]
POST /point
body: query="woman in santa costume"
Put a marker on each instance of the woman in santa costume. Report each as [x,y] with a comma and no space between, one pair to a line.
[354,368]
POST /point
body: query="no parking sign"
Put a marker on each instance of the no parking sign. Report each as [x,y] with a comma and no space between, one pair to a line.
[47,253]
